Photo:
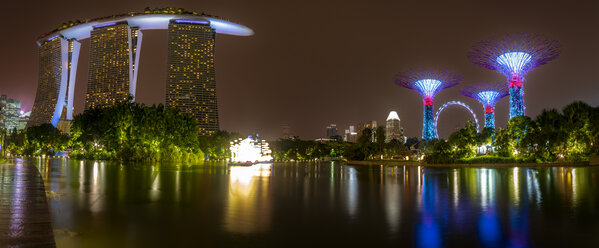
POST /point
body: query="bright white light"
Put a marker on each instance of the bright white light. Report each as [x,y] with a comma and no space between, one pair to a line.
[488,97]
[250,150]
[515,61]
[428,86]
[393,116]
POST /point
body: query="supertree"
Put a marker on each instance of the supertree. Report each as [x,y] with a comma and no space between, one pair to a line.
[428,82]
[487,94]
[514,55]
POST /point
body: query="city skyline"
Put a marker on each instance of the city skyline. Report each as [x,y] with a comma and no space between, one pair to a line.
[261,65]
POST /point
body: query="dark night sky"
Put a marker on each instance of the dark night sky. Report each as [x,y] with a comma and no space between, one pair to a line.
[311,63]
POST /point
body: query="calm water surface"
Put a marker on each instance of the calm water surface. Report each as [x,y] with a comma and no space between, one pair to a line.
[101,204]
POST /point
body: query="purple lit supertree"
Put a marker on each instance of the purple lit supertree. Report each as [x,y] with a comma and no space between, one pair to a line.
[488,94]
[428,82]
[514,55]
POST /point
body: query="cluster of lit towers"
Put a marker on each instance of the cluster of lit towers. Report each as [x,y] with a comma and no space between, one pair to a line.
[115,49]
[512,55]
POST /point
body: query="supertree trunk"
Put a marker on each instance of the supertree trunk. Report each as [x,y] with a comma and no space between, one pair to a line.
[516,98]
[490,116]
[490,120]
[428,128]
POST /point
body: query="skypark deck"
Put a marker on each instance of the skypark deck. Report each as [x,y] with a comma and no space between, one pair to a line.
[145,21]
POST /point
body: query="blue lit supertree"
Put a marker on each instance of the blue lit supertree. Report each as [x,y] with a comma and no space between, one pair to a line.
[514,55]
[428,82]
[487,94]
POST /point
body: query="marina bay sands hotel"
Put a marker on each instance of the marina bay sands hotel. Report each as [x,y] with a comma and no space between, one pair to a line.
[115,47]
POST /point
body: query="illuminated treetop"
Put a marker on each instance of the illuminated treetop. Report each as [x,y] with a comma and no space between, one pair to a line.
[486,93]
[428,82]
[514,55]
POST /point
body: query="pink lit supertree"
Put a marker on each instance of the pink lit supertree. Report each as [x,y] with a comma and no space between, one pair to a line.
[487,94]
[514,55]
[428,82]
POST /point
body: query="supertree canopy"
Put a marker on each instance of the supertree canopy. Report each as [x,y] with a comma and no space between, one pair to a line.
[514,55]
[428,82]
[487,94]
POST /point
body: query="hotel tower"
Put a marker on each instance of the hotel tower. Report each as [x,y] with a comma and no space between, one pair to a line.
[115,49]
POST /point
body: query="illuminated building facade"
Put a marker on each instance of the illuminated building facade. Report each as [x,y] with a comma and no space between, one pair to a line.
[191,76]
[114,49]
[369,124]
[393,129]
[114,63]
[487,94]
[428,83]
[350,134]
[514,55]
[10,114]
[332,131]
[372,125]
[56,85]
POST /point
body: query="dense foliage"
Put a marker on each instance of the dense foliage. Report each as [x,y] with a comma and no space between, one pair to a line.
[216,147]
[569,135]
[44,139]
[126,131]
[132,131]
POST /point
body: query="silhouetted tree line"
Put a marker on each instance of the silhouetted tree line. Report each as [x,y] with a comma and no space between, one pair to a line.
[370,145]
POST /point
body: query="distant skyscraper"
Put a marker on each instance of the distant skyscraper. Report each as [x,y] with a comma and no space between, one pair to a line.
[350,134]
[332,130]
[393,128]
[286,131]
[10,115]
[370,124]
[191,76]
[113,64]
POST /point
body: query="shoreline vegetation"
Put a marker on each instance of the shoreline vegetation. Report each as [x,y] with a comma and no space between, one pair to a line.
[569,136]
[129,131]
[126,131]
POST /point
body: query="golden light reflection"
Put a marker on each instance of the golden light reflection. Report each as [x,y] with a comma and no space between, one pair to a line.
[248,204]
[572,183]
[392,200]
[515,189]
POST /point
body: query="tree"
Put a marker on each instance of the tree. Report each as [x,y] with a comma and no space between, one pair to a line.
[441,152]
[380,138]
[133,131]
[581,130]
[513,140]
[549,135]
[464,141]
[395,148]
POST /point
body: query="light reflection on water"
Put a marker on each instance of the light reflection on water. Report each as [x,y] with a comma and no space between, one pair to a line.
[247,207]
[105,204]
